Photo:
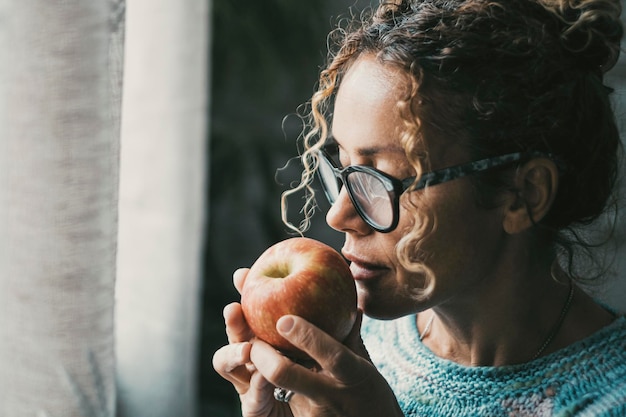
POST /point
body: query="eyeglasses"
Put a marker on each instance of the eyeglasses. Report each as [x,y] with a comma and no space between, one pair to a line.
[376,195]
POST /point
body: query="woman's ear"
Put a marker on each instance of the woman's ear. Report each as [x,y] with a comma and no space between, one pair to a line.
[536,182]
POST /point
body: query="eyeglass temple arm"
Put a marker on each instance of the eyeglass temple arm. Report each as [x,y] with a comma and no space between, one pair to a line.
[448,174]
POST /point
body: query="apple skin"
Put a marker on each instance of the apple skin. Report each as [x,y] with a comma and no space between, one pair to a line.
[303,277]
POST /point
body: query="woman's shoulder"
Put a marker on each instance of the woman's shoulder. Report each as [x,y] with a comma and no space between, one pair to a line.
[589,376]
[605,346]
[596,371]
[604,350]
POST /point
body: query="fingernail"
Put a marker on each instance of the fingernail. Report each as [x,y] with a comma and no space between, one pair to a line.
[285,324]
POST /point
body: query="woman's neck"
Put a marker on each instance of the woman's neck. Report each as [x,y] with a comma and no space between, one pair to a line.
[523,317]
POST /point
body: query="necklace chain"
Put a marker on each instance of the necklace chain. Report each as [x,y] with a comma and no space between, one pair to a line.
[559,323]
[555,330]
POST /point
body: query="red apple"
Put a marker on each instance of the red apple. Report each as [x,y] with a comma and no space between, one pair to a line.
[303,277]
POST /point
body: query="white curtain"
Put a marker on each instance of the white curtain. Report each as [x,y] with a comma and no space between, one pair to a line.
[59,112]
[60,91]
[162,206]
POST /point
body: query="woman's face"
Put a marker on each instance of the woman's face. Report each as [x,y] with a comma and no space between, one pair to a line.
[462,250]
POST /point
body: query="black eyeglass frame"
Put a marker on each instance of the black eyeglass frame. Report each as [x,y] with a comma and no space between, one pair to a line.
[395,187]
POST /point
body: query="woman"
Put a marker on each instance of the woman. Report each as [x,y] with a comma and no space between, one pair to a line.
[468,139]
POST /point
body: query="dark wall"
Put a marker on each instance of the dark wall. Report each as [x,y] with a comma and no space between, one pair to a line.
[265,61]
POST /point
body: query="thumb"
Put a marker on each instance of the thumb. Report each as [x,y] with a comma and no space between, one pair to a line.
[239,277]
[354,341]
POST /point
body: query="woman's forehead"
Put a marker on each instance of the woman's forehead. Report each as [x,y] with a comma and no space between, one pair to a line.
[367,117]
[377,79]
[366,106]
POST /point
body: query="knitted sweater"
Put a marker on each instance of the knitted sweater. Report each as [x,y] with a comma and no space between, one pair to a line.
[587,378]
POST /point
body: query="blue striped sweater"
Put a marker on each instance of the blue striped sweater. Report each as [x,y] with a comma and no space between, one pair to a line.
[586,379]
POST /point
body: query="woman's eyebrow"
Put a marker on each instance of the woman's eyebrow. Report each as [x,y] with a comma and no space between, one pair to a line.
[377,149]
[368,151]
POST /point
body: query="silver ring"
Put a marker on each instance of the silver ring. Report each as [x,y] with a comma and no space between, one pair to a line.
[283,395]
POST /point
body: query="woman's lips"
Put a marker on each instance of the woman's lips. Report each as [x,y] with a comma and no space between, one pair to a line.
[363,270]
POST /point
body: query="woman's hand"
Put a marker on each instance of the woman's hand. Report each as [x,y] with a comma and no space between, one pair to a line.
[343,384]
[233,363]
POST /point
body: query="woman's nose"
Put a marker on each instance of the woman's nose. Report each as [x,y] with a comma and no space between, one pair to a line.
[343,217]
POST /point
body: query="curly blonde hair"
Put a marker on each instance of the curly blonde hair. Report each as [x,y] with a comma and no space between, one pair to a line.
[501,76]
